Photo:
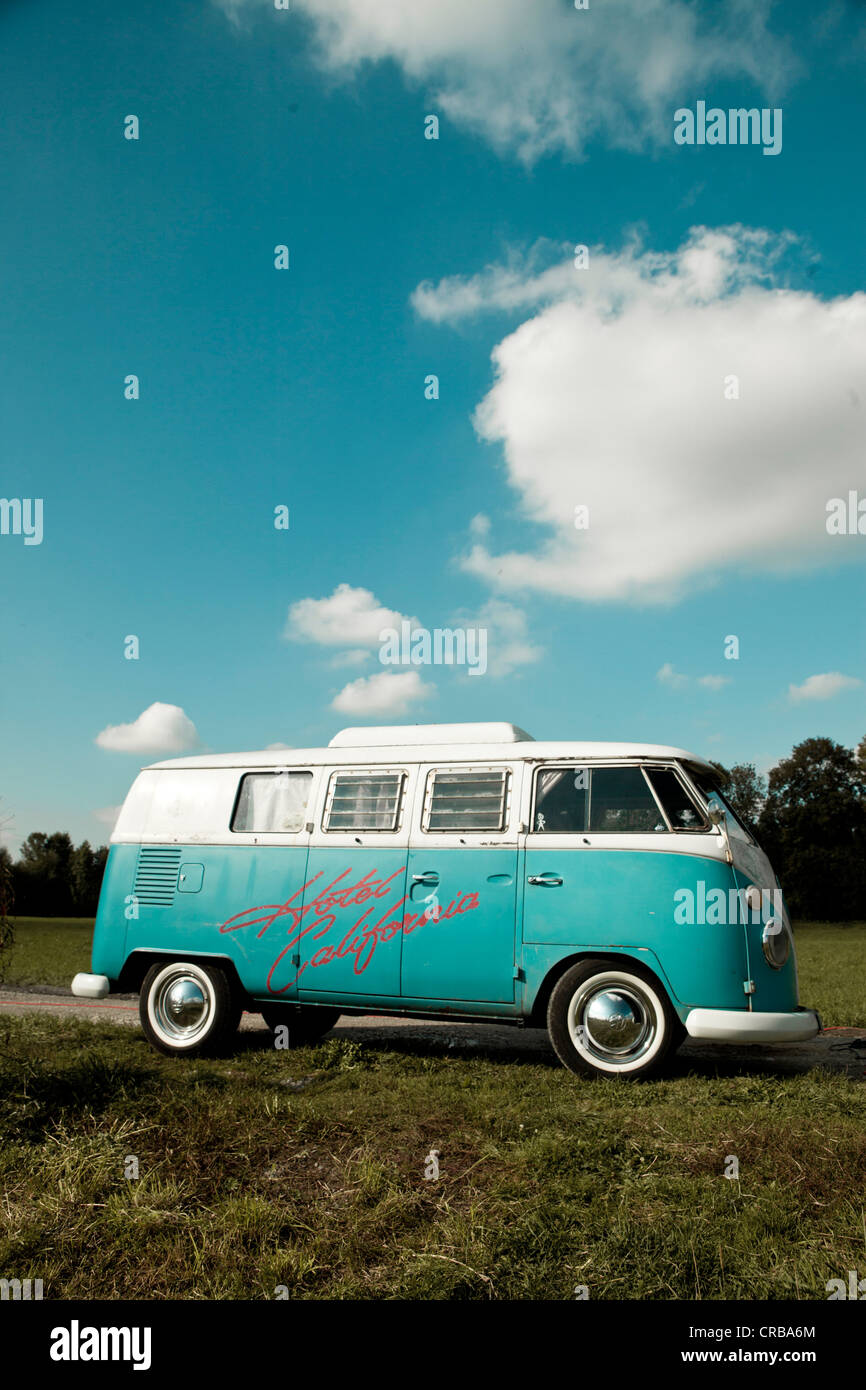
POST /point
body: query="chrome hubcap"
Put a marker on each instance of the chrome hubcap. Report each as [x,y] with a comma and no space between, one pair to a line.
[612,1022]
[181,1006]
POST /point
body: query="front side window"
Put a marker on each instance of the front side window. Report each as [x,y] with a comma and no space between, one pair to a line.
[680,809]
[273,801]
[561,800]
[364,801]
[468,799]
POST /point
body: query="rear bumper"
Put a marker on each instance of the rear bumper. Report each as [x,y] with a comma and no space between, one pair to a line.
[91,986]
[731,1025]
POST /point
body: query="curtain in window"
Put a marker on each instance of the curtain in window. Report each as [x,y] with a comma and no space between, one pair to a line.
[273,801]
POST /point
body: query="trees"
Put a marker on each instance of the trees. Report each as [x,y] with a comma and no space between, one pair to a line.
[86,867]
[745,789]
[53,878]
[810,817]
[6,903]
[43,876]
[813,826]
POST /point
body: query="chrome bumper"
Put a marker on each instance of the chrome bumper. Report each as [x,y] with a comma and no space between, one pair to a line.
[730,1025]
[90,986]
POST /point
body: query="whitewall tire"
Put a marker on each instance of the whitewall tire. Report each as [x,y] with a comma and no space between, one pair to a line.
[188,1008]
[611,1020]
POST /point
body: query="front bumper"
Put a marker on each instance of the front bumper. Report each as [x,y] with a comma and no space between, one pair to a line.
[91,986]
[731,1025]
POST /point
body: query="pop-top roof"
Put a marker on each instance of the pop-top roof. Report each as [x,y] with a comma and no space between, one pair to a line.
[406,735]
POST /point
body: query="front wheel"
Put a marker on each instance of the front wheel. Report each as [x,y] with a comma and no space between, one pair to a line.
[610,1020]
[188,1008]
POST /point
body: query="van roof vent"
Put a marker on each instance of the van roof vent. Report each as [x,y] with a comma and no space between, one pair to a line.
[403,735]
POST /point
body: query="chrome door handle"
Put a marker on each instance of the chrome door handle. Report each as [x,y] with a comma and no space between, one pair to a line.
[544,881]
[429,878]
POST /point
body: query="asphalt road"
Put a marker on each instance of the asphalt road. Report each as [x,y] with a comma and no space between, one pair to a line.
[836,1049]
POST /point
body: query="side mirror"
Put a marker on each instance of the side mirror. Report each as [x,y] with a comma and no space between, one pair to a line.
[716,813]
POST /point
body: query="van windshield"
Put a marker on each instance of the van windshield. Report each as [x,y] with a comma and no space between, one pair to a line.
[737,827]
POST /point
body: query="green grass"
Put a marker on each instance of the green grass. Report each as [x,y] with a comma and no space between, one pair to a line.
[48,951]
[831,961]
[306,1169]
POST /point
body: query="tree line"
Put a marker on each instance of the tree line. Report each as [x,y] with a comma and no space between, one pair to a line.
[809,815]
[52,877]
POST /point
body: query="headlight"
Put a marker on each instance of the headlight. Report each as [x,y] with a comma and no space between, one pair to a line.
[776,943]
[753,898]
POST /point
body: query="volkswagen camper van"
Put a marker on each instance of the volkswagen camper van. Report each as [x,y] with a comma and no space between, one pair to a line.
[604,891]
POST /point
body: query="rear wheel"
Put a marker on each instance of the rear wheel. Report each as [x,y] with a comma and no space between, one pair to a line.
[188,1008]
[306,1024]
[611,1020]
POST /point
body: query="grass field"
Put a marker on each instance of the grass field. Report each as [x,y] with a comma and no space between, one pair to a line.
[48,950]
[306,1169]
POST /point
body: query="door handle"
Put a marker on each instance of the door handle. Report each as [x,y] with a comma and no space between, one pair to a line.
[429,878]
[544,881]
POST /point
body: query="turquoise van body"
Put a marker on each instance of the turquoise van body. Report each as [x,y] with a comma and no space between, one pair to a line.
[456,870]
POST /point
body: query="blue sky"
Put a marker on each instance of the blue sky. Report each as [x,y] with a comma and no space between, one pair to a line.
[305,387]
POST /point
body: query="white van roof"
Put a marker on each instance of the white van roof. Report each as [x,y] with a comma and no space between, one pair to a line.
[410,735]
[421,743]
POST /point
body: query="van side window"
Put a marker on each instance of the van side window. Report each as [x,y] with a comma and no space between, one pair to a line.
[364,801]
[468,799]
[620,800]
[561,795]
[275,801]
[679,808]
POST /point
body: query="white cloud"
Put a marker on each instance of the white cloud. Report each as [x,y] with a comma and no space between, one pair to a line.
[355,616]
[277,747]
[508,644]
[612,395]
[667,675]
[713,682]
[533,78]
[382,694]
[107,815]
[356,657]
[822,687]
[159,729]
[348,618]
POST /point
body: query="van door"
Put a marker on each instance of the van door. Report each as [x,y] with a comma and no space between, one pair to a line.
[459,928]
[355,894]
[603,867]
[258,881]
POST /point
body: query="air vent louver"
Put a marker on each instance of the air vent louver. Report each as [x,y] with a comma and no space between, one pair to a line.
[156,875]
